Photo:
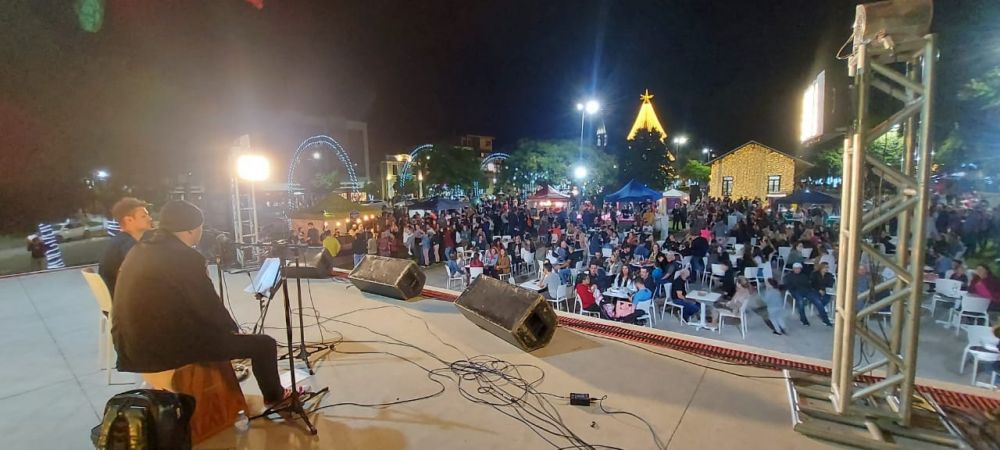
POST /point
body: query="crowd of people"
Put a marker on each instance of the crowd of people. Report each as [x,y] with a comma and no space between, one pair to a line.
[591,250]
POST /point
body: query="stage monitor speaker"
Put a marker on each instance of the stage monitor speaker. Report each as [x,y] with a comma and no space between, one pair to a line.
[517,315]
[391,277]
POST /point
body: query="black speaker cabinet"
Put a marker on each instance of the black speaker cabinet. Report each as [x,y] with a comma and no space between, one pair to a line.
[391,277]
[517,315]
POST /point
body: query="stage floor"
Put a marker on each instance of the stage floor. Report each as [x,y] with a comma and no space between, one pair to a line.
[52,392]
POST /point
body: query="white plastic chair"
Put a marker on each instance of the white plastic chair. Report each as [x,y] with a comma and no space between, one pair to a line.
[947,291]
[750,273]
[669,304]
[650,310]
[606,252]
[561,298]
[474,272]
[741,315]
[783,255]
[105,346]
[788,295]
[972,308]
[718,271]
[454,277]
[806,253]
[579,308]
[982,346]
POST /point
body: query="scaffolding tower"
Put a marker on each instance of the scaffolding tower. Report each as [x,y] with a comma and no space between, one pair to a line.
[244,204]
[876,398]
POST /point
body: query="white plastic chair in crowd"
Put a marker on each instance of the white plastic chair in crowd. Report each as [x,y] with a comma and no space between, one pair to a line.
[789,296]
[460,251]
[505,276]
[732,260]
[738,249]
[741,315]
[561,298]
[783,255]
[718,271]
[579,309]
[650,311]
[606,252]
[454,278]
[807,252]
[946,291]
[105,347]
[528,266]
[750,273]
[730,242]
[974,308]
[686,262]
[474,272]
[981,347]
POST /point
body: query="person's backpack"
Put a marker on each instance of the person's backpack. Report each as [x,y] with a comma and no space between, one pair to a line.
[145,419]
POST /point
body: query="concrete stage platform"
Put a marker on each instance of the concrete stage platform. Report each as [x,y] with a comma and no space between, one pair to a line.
[688,406]
[52,391]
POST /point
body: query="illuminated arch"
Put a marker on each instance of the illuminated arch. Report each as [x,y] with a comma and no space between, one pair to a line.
[329,143]
[407,172]
[492,157]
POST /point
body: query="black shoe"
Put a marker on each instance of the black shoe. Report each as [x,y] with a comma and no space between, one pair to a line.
[775,332]
[805,322]
[828,323]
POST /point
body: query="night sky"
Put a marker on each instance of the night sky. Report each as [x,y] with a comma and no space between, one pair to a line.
[164,82]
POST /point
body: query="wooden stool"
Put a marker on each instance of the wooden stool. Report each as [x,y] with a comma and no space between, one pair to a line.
[217,394]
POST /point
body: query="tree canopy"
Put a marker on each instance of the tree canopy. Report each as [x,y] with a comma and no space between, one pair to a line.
[647,159]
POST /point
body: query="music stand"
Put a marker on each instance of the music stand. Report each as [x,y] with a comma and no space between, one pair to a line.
[298,400]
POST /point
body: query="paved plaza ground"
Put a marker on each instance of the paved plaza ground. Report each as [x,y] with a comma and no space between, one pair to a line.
[51,376]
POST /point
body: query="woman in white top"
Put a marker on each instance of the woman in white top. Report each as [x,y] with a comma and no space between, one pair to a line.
[624,279]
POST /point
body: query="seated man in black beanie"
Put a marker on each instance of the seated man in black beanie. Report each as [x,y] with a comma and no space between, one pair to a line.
[167,313]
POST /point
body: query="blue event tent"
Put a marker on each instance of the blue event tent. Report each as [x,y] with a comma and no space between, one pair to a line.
[634,191]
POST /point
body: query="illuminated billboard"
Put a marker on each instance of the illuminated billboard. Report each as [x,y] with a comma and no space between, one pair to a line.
[811,124]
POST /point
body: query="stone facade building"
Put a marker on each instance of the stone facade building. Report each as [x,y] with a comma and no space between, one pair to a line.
[754,170]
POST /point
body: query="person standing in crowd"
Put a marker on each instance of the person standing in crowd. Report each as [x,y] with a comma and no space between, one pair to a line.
[312,235]
[360,246]
[37,248]
[134,220]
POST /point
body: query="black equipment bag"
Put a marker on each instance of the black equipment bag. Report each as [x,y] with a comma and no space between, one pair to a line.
[146,419]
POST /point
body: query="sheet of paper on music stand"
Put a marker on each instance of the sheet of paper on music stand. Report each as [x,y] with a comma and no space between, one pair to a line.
[265,279]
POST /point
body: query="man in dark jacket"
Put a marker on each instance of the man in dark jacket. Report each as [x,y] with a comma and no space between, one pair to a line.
[134,220]
[167,314]
[803,291]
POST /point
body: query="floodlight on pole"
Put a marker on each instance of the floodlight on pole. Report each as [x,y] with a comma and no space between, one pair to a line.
[580,172]
[102,174]
[253,167]
[589,107]
[681,140]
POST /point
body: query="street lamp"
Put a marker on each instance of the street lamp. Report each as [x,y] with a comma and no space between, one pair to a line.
[317,155]
[706,151]
[102,174]
[580,172]
[680,140]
